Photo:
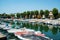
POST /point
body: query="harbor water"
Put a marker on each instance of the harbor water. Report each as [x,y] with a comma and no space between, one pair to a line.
[50,31]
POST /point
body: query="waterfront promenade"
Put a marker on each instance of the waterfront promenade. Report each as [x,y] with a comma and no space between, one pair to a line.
[48,21]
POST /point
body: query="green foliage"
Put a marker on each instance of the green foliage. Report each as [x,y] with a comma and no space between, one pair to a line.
[41,12]
[18,15]
[55,12]
[46,13]
[58,15]
[28,13]
[36,14]
[12,15]
[32,13]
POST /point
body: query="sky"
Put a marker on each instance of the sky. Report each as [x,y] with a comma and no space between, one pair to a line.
[14,6]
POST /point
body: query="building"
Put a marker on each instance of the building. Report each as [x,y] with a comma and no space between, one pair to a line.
[51,16]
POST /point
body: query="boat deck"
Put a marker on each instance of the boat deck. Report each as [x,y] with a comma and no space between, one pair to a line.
[34,37]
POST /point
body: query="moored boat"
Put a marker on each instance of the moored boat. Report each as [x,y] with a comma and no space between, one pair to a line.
[28,34]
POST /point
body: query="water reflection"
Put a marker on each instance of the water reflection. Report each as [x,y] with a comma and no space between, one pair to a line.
[36,27]
[39,27]
[59,29]
[45,27]
[54,30]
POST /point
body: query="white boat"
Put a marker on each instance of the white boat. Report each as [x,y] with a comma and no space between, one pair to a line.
[3,26]
[18,30]
[28,34]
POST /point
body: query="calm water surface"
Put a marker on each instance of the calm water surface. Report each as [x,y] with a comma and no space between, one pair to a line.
[50,31]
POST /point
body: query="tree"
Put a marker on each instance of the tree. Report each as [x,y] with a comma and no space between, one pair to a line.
[55,12]
[41,12]
[23,14]
[4,14]
[32,13]
[18,15]
[36,13]
[12,15]
[0,14]
[58,15]
[28,14]
[46,13]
